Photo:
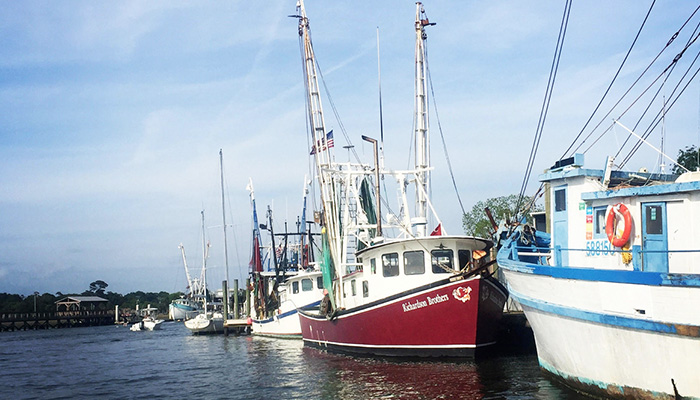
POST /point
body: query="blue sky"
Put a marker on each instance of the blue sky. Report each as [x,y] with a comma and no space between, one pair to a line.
[114,114]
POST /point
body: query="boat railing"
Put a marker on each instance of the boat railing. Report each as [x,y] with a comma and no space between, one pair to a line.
[539,255]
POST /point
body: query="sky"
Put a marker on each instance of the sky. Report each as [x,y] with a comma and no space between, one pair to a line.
[113,115]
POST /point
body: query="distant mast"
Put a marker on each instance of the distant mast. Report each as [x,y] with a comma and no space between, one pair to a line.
[422,155]
[223,212]
[205,251]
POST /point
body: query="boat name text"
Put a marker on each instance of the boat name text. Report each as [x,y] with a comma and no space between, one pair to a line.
[410,306]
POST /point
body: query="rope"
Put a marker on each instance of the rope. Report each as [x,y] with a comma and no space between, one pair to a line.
[545,105]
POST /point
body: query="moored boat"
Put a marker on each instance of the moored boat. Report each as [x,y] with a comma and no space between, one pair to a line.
[189,305]
[600,313]
[183,309]
[148,322]
[207,321]
[612,288]
[417,294]
[278,294]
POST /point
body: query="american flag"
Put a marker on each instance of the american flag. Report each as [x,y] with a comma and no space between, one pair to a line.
[325,144]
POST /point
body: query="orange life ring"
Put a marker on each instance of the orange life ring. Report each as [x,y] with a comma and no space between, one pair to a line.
[618,209]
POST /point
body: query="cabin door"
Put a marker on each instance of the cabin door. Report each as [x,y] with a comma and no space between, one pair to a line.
[560,222]
[654,237]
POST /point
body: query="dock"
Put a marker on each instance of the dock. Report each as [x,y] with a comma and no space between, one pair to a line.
[238,326]
[61,319]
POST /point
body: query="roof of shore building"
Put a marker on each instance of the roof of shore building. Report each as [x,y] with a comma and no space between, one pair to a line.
[81,299]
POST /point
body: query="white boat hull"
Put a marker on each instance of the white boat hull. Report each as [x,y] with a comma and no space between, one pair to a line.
[147,325]
[179,311]
[613,338]
[203,324]
[285,324]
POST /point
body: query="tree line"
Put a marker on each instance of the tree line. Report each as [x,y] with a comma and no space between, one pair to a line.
[46,303]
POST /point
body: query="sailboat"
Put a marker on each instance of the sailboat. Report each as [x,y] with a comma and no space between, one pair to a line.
[207,321]
[278,294]
[418,294]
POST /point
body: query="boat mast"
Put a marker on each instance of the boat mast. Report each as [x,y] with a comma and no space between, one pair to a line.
[187,271]
[223,213]
[323,154]
[422,145]
[205,251]
[303,261]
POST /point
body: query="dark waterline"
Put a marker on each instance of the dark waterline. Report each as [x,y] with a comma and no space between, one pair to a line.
[111,362]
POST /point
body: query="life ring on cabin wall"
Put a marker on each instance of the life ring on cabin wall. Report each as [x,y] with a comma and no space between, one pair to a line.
[618,210]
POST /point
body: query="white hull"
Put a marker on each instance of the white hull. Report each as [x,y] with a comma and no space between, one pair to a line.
[178,313]
[147,325]
[298,291]
[612,320]
[593,334]
[203,324]
[285,324]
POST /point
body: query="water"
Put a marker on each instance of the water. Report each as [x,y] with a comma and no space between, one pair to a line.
[111,362]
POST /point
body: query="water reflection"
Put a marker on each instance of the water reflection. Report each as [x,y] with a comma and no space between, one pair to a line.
[350,377]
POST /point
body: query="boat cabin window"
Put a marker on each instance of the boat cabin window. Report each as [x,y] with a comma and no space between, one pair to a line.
[295,287]
[344,294]
[442,261]
[390,264]
[373,265]
[353,287]
[307,284]
[319,282]
[653,220]
[560,200]
[413,262]
[599,222]
[365,289]
[464,257]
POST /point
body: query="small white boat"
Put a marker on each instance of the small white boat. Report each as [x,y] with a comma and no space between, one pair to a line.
[147,324]
[206,323]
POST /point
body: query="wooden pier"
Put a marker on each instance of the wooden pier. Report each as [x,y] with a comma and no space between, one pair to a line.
[237,326]
[60,319]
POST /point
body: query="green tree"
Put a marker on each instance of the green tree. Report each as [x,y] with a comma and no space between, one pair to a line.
[689,158]
[476,222]
[98,287]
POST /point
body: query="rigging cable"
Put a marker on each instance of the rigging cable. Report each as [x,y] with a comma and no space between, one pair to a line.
[669,69]
[337,116]
[442,137]
[610,85]
[545,105]
[659,115]
[670,41]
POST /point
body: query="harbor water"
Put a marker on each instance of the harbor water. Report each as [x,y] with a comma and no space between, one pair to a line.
[111,362]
